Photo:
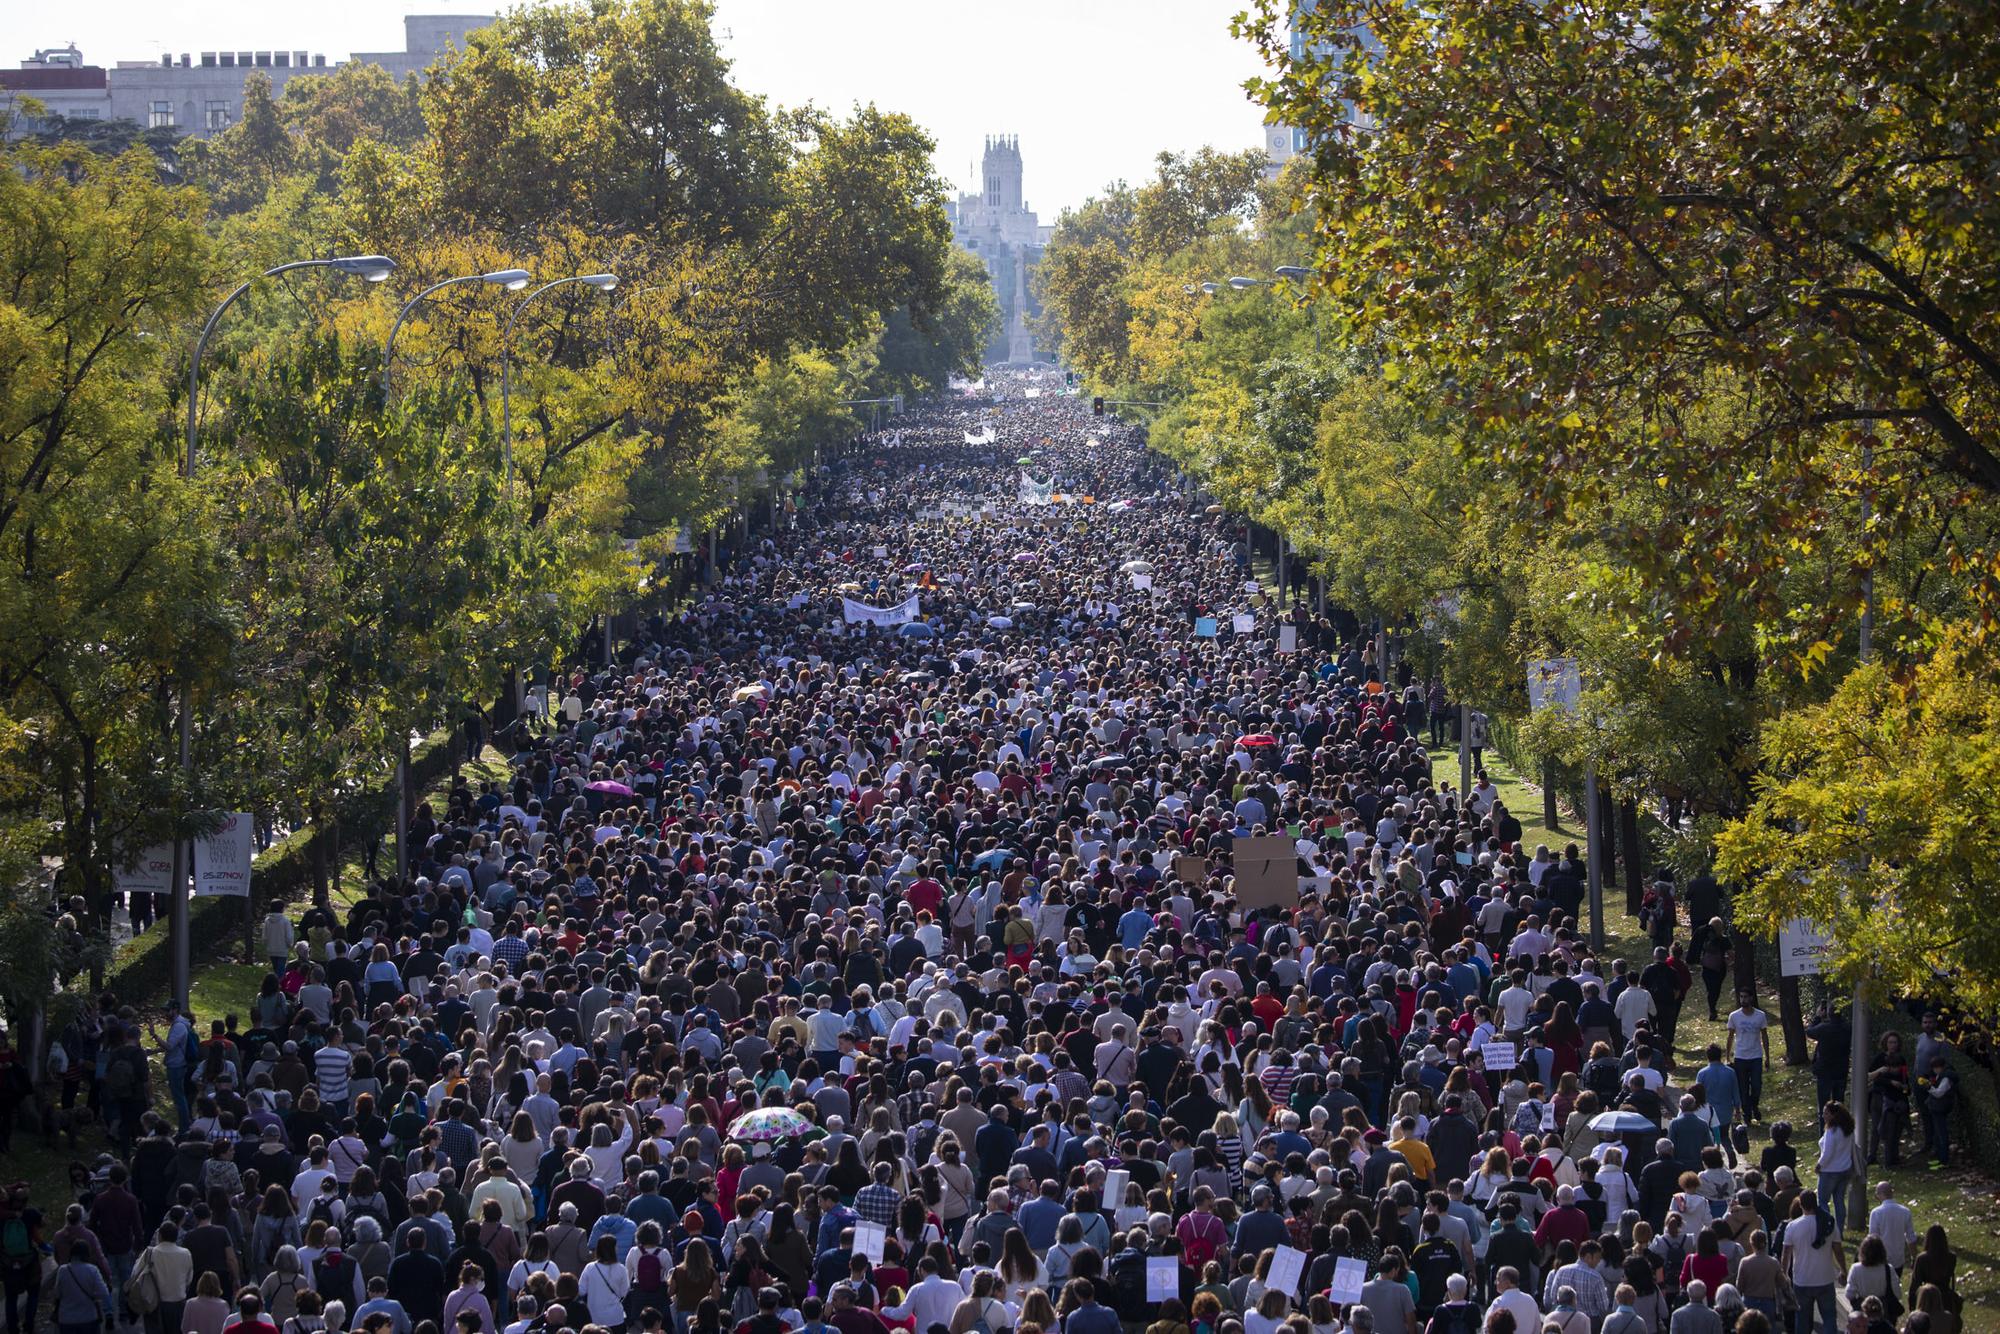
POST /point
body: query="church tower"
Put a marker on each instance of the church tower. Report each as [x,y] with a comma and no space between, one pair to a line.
[1001,171]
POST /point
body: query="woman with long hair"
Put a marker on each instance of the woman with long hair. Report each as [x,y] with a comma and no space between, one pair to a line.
[1021,1270]
[694,1281]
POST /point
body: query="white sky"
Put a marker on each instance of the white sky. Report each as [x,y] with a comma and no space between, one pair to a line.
[1093,88]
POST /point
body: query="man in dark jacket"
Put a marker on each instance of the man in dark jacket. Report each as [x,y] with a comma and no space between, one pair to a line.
[1658,1181]
[1453,1139]
[416,1279]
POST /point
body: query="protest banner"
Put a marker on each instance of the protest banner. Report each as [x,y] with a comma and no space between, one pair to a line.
[861,613]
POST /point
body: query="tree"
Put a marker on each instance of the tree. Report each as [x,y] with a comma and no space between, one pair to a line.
[1875,821]
[107,567]
[1192,194]
[1586,219]
[917,358]
[241,165]
[615,112]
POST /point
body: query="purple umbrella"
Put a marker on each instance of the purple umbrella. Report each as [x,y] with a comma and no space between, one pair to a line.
[615,789]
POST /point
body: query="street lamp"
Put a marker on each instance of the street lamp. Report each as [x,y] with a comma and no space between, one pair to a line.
[513,280]
[1245,284]
[1294,273]
[1211,288]
[369,268]
[603,282]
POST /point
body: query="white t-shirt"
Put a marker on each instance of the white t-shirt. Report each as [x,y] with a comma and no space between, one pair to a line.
[1747,1030]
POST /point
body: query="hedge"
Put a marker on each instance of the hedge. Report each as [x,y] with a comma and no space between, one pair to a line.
[283,874]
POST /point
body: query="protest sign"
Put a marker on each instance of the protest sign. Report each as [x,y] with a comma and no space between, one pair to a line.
[1288,639]
[1266,872]
[1163,1278]
[1288,1266]
[1501,1055]
[869,1239]
[1190,869]
[1115,1182]
[1204,627]
[859,612]
[1349,1274]
[1243,623]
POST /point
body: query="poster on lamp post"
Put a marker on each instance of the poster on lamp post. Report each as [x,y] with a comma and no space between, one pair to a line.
[222,859]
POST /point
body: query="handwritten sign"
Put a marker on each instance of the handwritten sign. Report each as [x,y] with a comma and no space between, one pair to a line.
[1501,1055]
[1288,1266]
[1349,1274]
[869,1239]
[1163,1278]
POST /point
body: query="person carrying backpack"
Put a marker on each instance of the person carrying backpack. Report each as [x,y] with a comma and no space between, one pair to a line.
[21,1248]
[649,1263]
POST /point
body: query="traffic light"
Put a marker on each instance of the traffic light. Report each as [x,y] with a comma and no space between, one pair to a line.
[1097,406]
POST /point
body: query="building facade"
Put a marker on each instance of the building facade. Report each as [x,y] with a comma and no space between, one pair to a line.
[997,225]
[1282,143]
[201,93]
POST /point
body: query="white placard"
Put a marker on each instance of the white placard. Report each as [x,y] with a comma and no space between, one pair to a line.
[1115,1182]
[1802,949]
[1163,1278]
[1501,1055]
[1349,1274]
[222,860]
[1142,582]
[153,875]
[1288,639]
[1288,1266]
[869,1238]
[1243,622]
[880,553]
[1554,683]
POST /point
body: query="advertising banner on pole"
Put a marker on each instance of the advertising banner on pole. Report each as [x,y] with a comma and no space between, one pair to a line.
[154,873]
[1802,949]
[222,859]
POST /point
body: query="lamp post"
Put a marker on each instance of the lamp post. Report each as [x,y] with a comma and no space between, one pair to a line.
[370,268]
[1299,277]
[512,280]
[603,282]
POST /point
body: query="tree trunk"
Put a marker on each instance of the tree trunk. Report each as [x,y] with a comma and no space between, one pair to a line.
[1635,855]
[316,858]
[1550,815]
[1792,1018]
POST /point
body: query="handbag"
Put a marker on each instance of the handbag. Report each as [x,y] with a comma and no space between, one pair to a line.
[142,1290]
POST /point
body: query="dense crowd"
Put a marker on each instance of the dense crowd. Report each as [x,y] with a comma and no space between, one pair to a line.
[831,963]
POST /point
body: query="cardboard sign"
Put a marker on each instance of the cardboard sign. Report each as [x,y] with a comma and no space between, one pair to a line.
[1349,1274]
[1501,1055]
[1163,1278]
[1267,872]
[1288,639]
[869,1238]
[1288,1266]
[1189,869]
[1204,627]
[1243,623]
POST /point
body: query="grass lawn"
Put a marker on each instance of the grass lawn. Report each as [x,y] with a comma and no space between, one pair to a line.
[1965,1201]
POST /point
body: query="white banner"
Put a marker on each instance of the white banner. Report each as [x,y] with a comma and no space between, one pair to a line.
[1036,493]
[1802,949]
[861,613]
[985,436]
[222,860]
[153,875]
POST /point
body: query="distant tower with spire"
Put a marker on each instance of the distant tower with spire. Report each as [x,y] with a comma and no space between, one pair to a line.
[996,224]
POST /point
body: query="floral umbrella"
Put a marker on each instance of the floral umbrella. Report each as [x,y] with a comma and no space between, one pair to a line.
[767,1124]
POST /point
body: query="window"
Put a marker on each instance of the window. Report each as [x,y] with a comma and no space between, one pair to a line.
[217,117]
[162,117]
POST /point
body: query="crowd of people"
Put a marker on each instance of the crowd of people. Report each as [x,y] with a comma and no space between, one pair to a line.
[838,963]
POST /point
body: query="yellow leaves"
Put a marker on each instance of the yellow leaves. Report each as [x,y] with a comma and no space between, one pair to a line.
[1571,422]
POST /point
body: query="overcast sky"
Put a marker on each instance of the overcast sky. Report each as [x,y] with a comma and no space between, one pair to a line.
[1093,88]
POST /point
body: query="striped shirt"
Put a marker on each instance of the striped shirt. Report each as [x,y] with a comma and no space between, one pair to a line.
[332,1065]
